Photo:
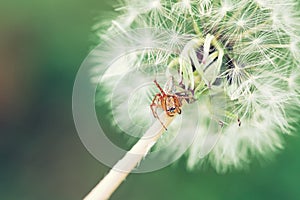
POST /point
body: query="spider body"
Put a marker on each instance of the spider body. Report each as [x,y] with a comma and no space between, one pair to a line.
[169,103]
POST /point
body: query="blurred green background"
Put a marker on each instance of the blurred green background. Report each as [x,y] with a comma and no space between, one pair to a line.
[42,44]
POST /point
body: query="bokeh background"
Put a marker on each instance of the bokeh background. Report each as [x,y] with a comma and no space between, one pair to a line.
[42,44]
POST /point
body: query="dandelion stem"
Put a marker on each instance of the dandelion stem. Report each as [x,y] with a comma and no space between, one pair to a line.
[105,188]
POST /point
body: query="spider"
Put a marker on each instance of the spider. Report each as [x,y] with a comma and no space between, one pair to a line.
[169,102]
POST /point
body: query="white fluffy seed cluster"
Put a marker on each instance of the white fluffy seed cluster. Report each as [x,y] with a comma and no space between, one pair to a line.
[247,50]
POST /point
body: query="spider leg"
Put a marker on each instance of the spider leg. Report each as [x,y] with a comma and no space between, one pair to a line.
[178,110]
[154,111]
[154,104]
[186,97]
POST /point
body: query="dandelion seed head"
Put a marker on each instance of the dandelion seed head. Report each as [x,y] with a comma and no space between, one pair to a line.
[243,55]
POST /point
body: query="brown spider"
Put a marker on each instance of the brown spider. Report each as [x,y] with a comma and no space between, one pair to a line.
[170,103]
